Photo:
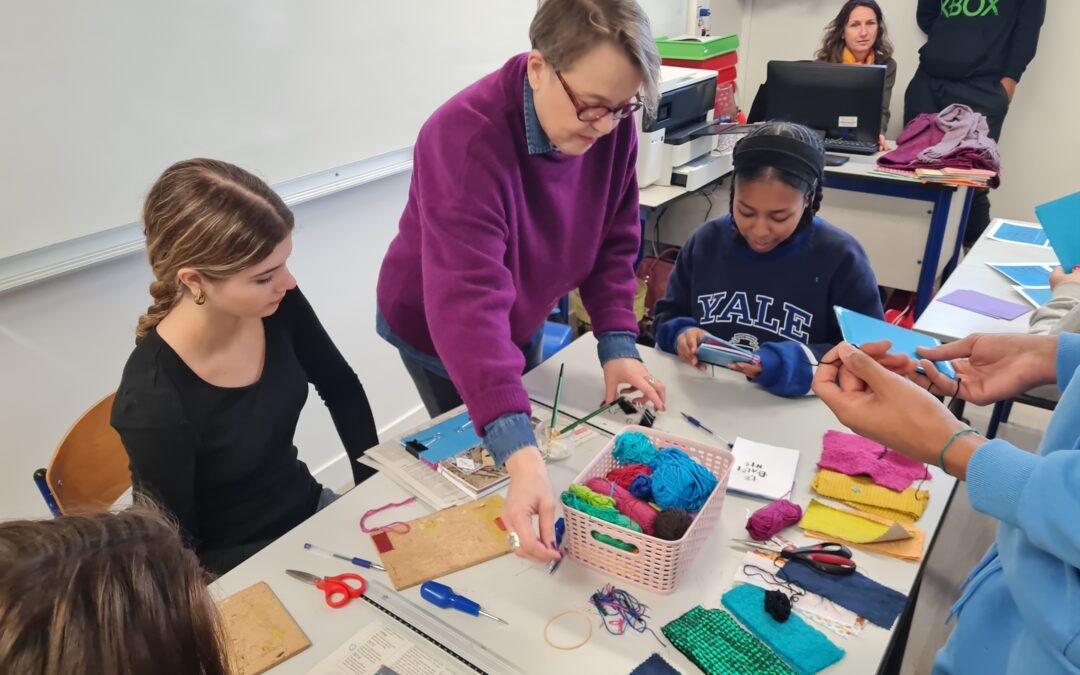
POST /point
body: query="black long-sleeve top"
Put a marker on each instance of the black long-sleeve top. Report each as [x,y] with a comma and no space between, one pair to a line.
[222,460]
[973,38]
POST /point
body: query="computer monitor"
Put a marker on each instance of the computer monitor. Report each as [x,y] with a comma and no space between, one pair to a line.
[844,101]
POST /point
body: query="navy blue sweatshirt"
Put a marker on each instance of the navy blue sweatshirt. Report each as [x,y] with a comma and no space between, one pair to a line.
[973,38]
[778,304]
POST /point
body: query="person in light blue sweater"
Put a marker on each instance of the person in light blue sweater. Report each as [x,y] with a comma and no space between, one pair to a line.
[766,276]
[1019,611]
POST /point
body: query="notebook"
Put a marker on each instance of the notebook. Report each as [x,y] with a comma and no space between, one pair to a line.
[762,470]
[1061,222]
[474,471]
[859,329]
[720,352]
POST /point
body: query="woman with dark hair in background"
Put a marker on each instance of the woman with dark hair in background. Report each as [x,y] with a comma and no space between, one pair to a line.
[857,36]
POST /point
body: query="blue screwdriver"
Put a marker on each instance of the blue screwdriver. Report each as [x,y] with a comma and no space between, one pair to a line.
[443,596]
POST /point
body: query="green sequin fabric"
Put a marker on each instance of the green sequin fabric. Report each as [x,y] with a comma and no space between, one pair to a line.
[717,644]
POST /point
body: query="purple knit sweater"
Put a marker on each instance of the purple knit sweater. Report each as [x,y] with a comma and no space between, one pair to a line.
[492,237]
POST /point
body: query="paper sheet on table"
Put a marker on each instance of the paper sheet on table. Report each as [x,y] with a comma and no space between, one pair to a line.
[1014,233]
[1061,222]
[984,304]
[822,611]
[762,470]
[1036,296]
[380,648]
[1028,275]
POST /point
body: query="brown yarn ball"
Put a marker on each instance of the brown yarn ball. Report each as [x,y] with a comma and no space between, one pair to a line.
[671,524]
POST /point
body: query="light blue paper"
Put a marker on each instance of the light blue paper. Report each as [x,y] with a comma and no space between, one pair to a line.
[1061,222]
[1020,234]
[1028,276]
[859,329]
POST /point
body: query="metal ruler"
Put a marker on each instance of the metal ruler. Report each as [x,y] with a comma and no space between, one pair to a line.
[473,654]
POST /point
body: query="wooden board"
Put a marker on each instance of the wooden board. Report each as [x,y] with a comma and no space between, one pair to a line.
[444,542]
[259,631]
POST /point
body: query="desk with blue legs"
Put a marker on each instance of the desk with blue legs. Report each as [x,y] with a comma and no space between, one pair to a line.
[910,230]
[524,594]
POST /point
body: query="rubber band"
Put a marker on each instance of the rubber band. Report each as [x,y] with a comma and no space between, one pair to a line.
[948,444]
[588,624]
[391,526]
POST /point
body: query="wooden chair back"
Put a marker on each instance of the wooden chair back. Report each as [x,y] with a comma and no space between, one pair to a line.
[89,469]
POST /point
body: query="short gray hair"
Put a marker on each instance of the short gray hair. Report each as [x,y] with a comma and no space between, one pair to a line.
[564,30]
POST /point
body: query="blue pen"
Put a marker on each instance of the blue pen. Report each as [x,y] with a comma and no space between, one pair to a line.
[359,562]
[560,530]
[697,423]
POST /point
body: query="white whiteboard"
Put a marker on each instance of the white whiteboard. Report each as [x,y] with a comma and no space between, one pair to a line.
[99,97]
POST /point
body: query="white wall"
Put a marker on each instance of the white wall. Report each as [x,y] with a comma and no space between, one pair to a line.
[63,343]
[1037,162]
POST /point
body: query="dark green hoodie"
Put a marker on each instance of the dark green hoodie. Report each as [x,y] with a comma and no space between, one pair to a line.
[978,38]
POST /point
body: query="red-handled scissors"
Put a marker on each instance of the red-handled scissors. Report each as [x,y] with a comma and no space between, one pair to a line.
[830,557]
[339,590]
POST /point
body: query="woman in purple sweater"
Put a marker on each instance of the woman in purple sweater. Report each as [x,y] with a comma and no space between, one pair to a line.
[523,189]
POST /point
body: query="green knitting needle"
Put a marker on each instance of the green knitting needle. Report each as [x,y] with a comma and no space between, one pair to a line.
[588,417]
[558,390]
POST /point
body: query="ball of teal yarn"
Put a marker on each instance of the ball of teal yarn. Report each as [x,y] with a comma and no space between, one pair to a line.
[634,447]
[679,482]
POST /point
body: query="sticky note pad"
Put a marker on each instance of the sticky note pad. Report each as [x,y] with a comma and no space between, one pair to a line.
[1061,222]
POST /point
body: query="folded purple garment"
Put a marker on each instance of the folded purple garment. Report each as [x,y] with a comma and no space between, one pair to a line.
[855,455]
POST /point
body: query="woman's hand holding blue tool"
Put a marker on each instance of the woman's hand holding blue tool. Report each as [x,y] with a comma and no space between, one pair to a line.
[530,495]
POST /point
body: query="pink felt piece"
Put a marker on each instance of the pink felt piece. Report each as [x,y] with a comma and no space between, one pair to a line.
[855,455]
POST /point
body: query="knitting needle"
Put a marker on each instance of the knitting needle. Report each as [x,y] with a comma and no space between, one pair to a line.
[588,417]
[359,562]
[558,390]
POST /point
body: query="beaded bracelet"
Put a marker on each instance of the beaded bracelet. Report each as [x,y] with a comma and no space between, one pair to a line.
[958,434]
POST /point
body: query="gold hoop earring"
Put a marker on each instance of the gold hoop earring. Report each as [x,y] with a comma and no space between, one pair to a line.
[200,298]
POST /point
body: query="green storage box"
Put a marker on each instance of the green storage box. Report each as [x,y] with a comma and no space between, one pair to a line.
[696,48]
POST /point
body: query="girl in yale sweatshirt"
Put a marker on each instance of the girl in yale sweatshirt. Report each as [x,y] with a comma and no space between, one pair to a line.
[766,276]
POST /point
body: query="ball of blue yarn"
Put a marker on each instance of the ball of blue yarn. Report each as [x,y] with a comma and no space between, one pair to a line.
[634,447]
[641,487]
[679,482]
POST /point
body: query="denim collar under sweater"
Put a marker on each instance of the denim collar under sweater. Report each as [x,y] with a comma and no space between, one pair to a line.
[535,137]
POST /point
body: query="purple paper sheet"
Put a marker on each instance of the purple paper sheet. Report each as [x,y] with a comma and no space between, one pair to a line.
[985,304]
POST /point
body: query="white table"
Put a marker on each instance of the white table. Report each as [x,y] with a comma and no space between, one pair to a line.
[524,594]
[948,322]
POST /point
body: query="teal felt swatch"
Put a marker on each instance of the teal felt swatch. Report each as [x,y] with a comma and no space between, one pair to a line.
[801,646]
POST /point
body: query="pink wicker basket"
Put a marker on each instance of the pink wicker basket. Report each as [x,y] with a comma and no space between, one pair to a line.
[657,564]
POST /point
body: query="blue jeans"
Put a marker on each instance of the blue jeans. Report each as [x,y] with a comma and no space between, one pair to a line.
[326,498]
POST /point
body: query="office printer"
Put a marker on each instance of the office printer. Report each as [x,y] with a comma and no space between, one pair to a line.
[676,148]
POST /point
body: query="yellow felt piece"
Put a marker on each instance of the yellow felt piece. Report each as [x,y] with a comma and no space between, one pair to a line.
[862,493]
[850,525]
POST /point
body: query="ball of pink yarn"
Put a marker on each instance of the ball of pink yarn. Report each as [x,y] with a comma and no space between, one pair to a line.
[627,504]
[769,520]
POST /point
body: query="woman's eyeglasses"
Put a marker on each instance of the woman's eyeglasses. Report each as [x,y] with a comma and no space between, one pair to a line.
[591,113]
